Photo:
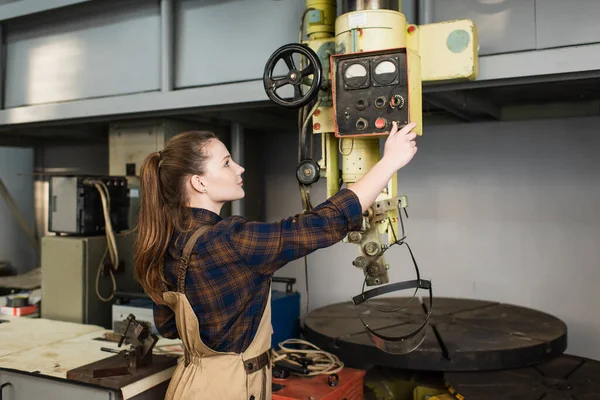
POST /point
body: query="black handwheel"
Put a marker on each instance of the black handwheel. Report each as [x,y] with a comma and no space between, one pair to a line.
[294,77]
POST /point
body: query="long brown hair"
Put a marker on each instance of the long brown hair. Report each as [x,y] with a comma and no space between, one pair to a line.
[164,203]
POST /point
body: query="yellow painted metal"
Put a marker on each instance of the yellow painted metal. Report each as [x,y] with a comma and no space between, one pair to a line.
[415,89]
[320,28]
[412,38]
[331,152]
[358,157]
[320,21]
[449,51]
[323,120]
[324,48]
[369,30]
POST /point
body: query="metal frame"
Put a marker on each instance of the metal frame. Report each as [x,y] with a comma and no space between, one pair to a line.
[26,7]
[167,35]
[576,62]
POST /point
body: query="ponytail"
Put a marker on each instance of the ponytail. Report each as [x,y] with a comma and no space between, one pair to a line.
[154,230]
[164,205]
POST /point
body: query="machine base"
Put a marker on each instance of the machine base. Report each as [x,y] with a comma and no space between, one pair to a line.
[464,334]
[564,377]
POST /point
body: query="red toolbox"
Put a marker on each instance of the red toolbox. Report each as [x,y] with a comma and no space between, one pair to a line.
[350,386]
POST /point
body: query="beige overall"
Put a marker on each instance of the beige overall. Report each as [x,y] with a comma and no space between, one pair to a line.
[208,374]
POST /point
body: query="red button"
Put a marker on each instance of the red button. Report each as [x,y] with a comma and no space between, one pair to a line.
[380,123]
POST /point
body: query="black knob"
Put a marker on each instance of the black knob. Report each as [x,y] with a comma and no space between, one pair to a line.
[308,172]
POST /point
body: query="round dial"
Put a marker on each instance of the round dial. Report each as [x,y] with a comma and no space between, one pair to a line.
[355,71]
[385,67]
[355,75]
[385,72]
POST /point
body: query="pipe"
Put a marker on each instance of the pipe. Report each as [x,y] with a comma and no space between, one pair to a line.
[425,12]
[166,36]
[360,5]
[237,153]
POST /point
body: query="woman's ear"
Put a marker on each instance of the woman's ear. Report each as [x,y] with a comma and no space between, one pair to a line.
[198,183]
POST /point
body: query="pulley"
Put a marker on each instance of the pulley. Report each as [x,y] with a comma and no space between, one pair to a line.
[294,76]
[308,172]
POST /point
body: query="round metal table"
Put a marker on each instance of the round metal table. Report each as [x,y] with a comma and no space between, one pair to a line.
[463,334]
[565,377]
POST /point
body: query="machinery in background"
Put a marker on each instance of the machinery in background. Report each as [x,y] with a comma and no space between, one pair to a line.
[124,305]
[78,205]
[91,211]
[361,71]
[76,280]
[285,312]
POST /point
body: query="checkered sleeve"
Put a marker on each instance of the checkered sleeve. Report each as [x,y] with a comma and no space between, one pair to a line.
[164,319]
[269,246]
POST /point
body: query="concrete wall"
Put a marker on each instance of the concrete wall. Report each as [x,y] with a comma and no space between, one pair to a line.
[16,171]
[500,211]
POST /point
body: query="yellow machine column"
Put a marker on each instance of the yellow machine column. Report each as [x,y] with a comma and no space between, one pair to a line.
[369,94]
[371,66]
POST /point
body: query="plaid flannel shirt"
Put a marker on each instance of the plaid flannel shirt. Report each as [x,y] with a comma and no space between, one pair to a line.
[228,278]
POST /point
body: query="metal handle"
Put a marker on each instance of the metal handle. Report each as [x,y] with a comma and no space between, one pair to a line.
[289,283]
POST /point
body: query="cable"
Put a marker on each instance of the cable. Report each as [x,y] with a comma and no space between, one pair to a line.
[320,361]
[111,243]
[112,277]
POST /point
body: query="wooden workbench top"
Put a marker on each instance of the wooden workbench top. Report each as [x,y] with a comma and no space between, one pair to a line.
[54,347]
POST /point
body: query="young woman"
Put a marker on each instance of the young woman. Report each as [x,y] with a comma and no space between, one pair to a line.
[210,277]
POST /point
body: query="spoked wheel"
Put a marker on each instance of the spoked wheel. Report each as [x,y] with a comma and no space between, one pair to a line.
[294,77]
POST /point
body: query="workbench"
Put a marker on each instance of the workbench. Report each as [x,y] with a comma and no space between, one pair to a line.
[36,353]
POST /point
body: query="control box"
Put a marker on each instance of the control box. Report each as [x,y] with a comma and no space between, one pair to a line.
[372,89]
[76,206]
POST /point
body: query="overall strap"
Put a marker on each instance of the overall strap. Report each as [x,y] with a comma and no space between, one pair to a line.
[185,258]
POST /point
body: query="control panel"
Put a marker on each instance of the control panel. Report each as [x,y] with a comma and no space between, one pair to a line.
[370,90]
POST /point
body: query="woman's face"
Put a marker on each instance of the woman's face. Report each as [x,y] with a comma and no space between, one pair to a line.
[222,180]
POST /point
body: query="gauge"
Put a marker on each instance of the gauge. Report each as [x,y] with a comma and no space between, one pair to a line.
[385,72]
[385,67]
[356,75]
[355,71]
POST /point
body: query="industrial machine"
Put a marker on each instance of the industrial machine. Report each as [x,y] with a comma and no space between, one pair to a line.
[80,270]
[352,77]
[84,205]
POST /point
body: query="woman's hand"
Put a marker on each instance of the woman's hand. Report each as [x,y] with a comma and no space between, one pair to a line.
[400,146]
[399,149]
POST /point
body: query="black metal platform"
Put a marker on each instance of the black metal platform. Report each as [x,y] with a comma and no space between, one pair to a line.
[463,335]
[563,378]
